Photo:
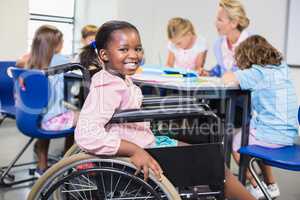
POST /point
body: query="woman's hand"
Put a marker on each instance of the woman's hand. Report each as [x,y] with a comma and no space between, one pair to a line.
[143,161]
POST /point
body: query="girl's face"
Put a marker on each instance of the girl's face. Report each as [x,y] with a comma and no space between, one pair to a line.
[60,46]
[124,52]
[184,42]
[223,23]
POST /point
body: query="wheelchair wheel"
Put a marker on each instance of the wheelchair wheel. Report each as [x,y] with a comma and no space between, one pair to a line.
[74,149]
[84,176]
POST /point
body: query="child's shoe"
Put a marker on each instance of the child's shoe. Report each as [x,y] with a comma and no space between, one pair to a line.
[256,192]
[273,189]
[39,172]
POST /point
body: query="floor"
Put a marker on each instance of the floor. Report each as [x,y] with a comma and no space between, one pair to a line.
[11,142]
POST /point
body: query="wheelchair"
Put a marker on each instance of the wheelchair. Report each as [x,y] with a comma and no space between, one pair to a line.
[83,176]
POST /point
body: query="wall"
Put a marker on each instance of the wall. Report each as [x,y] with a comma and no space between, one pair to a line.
[152,17]
[268,18]
[92,12]
[13,22]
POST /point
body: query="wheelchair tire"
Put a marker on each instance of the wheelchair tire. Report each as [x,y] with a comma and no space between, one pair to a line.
[66,179]
[74,149]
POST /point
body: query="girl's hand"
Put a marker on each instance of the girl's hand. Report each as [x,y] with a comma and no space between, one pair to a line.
[143,161]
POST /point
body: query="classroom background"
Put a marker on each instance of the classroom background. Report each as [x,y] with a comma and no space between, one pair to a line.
[269,18]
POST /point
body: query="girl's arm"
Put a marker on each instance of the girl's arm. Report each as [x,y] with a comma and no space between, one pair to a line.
[229,78]
[140,158]
[200,60]
[170,59]
[91,135]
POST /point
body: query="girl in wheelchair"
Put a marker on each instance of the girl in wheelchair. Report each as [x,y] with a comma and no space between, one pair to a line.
[118,48]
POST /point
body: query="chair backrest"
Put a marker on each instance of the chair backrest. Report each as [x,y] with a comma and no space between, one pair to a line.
[299,115]
[31,99]
[6,85]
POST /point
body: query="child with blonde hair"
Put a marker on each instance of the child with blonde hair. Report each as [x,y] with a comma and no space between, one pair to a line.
[88,34]
[185,48]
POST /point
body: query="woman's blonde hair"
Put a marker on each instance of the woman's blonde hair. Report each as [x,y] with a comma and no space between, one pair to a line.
[256,50]
[236,11]
[178,27]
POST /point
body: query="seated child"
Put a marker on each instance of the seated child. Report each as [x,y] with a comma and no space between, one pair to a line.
[274,103]
[185,48]
[45,52]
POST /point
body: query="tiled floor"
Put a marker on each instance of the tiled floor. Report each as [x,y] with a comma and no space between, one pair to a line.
[11,142]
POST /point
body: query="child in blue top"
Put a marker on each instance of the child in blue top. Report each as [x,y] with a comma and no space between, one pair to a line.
[45,52]
[273,101]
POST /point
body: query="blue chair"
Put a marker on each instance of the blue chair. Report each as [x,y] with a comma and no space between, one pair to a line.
[31,99]
[285,158]
[7,102]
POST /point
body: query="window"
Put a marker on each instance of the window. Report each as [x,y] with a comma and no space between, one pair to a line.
[53,12]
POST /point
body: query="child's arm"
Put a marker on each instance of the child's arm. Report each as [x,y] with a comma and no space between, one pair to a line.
[229,78]
[170,59]
[200,60]
[140,158]
[92,136]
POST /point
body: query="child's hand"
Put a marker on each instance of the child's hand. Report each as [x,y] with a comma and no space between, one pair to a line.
[203,72]
[143,161]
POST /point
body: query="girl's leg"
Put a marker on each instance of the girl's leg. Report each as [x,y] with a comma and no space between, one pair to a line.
[267,173]
[70,139]
[236,157]
[42,153]
[68,142]
[234,189]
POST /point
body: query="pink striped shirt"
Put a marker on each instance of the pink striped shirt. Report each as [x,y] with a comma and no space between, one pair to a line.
[109,93]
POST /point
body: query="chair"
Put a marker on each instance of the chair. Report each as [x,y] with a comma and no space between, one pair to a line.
[285,158]
[7,102]
[32,95]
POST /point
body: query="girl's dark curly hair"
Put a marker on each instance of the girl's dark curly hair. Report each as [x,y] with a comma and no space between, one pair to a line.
[256,50]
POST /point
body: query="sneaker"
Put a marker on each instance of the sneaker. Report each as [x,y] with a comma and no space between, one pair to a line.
[256,192]
[274,191]
[39,172]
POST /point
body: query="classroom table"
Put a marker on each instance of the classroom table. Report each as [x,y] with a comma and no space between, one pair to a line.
[208,88]
[201,88]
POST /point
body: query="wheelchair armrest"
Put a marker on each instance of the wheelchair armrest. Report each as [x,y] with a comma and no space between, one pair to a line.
[165,113]
[172,100]
[86,79]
